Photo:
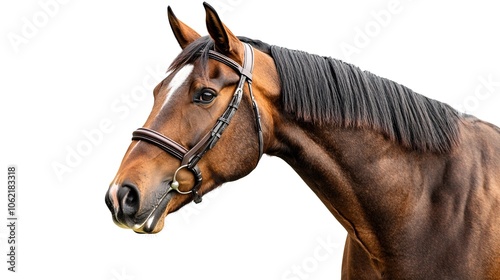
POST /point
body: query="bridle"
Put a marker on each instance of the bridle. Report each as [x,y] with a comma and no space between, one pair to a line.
[190,157]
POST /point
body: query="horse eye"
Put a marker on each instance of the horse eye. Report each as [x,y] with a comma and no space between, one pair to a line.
[206,96]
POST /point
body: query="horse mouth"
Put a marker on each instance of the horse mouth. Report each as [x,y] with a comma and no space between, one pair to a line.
[154,216]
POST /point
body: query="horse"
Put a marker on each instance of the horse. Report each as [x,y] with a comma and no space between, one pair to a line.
[414,182]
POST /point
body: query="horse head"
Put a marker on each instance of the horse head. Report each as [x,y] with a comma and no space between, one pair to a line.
[180,153]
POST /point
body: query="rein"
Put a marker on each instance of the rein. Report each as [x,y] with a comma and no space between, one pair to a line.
[190,157]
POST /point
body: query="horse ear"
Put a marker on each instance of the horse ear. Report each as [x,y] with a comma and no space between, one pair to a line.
[184,34]
[225,41]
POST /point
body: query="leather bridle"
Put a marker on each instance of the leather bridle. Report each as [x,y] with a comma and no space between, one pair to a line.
[190,157]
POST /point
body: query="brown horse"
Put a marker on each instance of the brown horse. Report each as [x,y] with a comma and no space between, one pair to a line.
[413,181]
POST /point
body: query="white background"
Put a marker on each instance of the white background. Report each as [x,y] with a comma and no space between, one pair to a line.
[79,62]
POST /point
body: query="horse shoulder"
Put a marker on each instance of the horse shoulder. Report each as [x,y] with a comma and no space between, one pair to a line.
[476,169]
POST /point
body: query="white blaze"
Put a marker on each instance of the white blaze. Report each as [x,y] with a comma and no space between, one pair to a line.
[177,81]
[113,190]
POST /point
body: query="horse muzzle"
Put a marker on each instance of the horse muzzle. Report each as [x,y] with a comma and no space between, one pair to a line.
[127,211]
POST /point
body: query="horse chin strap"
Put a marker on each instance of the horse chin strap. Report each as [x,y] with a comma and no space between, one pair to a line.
[190,158]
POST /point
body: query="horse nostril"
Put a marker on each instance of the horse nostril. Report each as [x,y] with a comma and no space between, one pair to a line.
[128,197]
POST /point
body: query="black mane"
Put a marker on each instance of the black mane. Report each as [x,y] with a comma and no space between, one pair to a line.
[326,91]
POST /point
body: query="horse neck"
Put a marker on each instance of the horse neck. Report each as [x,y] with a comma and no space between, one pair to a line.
[364,179]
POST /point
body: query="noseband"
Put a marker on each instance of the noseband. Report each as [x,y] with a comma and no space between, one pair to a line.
[190,158]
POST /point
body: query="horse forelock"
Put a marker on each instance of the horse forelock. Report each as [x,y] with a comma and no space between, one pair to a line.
[194,51]
[199,49]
